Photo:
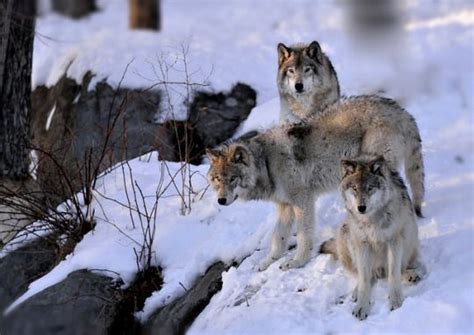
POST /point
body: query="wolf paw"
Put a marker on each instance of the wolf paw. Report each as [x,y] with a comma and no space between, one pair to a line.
[395,299]
[354,295]
[412,276]
[292,264]
[265,263]
[361,311]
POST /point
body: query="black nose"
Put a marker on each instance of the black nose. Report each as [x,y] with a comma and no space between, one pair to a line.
[222,201]
[361,208]
[299,87]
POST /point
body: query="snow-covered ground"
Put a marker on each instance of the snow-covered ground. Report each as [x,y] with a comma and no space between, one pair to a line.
[429,67]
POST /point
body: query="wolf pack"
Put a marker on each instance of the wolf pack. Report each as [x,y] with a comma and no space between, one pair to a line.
[327,142]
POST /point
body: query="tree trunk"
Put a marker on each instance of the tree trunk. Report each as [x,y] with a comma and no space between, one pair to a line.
[17,26]
[74,8]
[145,14]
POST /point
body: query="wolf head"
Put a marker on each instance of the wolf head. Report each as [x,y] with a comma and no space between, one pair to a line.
[364,184]
[304,70]
[231,173]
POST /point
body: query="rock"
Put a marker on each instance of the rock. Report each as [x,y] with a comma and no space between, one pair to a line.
[24,265]
[133,299]
[89,303]
[216,117]
[177,316]
[213,118]
[78,130]
[84,303]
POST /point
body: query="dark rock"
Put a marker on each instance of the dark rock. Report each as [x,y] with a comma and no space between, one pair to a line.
[133,299]
[180,142]
[213,118]
[89,131]
[176,317]
[26,264]
[84,303]
[216,117]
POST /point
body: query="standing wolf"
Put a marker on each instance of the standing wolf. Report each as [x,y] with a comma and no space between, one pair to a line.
[267,166]
[379,237]
[307,81]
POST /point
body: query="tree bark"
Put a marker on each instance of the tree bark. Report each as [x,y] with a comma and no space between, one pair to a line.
[17,25]
[145,14]
[74,8]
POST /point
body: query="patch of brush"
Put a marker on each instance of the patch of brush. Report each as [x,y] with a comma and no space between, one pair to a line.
[146,282]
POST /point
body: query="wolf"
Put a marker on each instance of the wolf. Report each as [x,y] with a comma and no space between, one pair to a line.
[379,236]
[267,167]
[306,80]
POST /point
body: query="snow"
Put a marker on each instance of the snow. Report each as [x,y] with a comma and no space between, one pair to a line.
[428,67]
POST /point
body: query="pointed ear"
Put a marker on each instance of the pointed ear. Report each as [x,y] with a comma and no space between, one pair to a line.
[213,154]
[348,167]
[313,50]
[283,53]
[241,155]
[376,165]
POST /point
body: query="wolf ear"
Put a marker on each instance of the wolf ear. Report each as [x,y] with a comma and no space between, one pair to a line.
[213,154]
[348,167]
[283,53]
[241,155]
[313,50]
[376,165]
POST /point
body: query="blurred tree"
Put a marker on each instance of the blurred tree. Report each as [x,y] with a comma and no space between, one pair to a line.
[17,27]
[145,14]
[74,8]
[369,17]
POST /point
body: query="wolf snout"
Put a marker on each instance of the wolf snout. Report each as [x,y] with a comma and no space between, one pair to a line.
[222,201]
[299,87]
[362,209]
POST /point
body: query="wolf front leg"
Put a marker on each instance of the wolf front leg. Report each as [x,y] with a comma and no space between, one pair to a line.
[364,275]
[394,254]
[281,235]
[304,217]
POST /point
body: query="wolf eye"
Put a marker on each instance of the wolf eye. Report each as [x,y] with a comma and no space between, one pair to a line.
[233,178]
[290,70]
[216,178]
[307,69]
[354,187]
[370,188]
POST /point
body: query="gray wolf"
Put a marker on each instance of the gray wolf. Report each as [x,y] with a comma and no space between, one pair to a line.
[379,237]
[266,166]
[306,80]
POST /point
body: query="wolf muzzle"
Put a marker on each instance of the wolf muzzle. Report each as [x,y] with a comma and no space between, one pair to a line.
[362,209]
[299,87]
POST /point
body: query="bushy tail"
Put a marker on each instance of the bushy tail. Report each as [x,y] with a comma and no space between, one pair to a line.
[329,247]
[415,172]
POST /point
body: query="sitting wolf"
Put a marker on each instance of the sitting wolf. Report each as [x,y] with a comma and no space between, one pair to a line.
[306,80]
[379,237]
[267,166]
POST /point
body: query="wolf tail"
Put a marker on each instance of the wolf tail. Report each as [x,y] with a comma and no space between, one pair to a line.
[415,172]
[329,247]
